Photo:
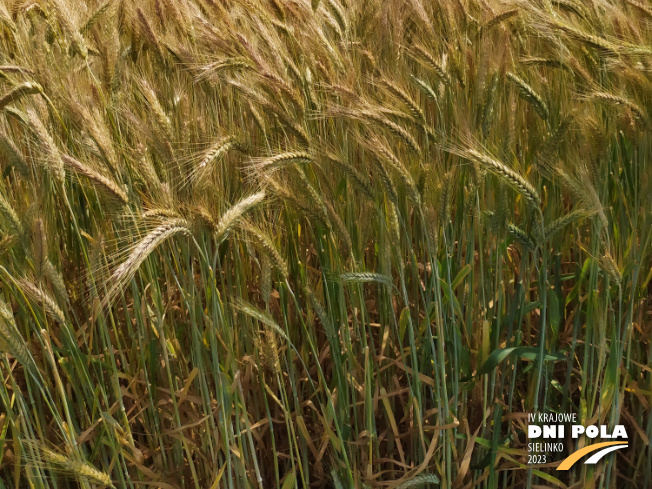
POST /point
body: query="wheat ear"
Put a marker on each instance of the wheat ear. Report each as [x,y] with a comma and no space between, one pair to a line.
[108,186]
[366,277]
[280,160]
[527,93]
[616,100]
[387,156]
[11,153]
[516,181]
[498,18]
[18,92]
[522,237]
[11,340]
[124,272]
[392,127]
[55,163]
[609,266]
[213,154]
[409,102]
[9,214]
[38,295]
[563,221]
[268,246]
[418,481]
[231,216]
[647,11]
[81,470]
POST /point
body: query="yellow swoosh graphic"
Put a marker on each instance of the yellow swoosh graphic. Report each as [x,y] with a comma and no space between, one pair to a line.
[574,457]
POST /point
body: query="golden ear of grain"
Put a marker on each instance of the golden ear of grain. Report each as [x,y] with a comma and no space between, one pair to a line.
[11,341]
[609,266]
[386,156]
[601,44]
[7,243]
[338,13]
[65,19]
[268,349]
[620,101]
[56,281]
[409,102]
[433,63]
[216,70]
[424,87]
[498,18]
[264,166]
[643,9]
[94,17]
[81,470]
[261,316]
[149,34]
[361,181]
[108,186]
[52,160]
[5,18]
[516,181]
[164,125]
[580,185]
[527,93]
[125,271]
[386,182]
[160,213]
[394,128]
[269,247]
[235,213]
[86,471]
[217,150]
[36,294]
[20,91]
[9,214]
[12,154]
[148,175]
[538,61]
[211,156]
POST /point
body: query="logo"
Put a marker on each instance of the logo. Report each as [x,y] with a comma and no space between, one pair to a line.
[551,427]
[601,448]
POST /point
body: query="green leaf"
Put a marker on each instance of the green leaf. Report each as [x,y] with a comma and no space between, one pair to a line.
[524,352]
[461,275]
[341,188]
[554,314]
[403,322]
[531,353]
[289,481]
[530,306]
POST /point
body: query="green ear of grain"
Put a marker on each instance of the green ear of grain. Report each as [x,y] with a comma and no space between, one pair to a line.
[419,481]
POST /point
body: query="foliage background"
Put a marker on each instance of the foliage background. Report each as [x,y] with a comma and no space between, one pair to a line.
[346,243]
